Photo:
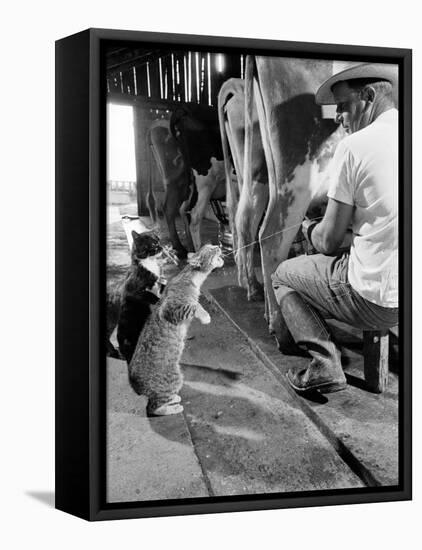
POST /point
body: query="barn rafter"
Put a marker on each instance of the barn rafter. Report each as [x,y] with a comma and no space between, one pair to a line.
[170,75]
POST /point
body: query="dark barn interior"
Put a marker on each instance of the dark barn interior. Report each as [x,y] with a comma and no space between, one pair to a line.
[157,81]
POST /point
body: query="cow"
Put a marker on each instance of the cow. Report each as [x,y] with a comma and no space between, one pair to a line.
[279,94]
[176,178]
[189,157]
[197,131]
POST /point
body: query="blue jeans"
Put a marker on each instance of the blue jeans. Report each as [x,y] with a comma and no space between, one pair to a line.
[321,289]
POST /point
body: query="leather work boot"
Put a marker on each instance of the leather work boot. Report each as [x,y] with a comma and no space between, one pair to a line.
[309,330]
[318,376]
[286,343]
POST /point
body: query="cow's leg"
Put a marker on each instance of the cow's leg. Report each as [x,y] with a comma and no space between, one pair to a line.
[172,204]
[233,188]
[249,214]
[184,209]
[282,219]
[246,201]
[206,187]
[231,104]
[150,198]
[246,219]
[233,183]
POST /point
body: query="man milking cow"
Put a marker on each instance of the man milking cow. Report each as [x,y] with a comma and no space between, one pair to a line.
[358,286]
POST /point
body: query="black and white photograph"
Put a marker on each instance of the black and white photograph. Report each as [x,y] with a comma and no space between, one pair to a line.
[252,343]
[211,275]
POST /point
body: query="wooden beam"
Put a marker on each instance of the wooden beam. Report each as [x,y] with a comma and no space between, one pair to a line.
[173,77]
[217,79]
[185,78]
[141,80]
[114,84]
[180,92]
[154,72]
[197,77]
[209,85]
[169,78]
[192,67]
[125,58]
[160,66]
[375,358]
[141,101]
[135,85]
[141,125]
[203,79]
[127,80]
[232,67]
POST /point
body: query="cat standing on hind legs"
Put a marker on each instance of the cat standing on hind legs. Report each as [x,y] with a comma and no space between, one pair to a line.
[155,370]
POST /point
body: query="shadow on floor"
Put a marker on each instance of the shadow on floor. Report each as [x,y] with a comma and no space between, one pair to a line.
[45,497]
[169,426]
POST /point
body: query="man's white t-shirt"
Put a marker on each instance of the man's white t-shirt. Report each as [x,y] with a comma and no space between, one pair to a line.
[364,173]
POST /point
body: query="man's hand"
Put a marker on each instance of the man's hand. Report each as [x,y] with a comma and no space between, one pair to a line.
[328,235]
[307,227]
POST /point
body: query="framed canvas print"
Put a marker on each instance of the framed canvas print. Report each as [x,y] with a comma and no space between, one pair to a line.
[233,274]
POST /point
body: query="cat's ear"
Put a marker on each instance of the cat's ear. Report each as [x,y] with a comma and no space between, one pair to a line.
[175,314]
[135,235]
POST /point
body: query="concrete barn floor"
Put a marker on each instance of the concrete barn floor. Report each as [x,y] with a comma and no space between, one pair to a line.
[243,431]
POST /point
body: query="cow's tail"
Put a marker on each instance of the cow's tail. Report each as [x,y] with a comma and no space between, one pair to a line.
[227,91]
[193,195]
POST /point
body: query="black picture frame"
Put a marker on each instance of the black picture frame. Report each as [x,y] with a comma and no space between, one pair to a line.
[80,277]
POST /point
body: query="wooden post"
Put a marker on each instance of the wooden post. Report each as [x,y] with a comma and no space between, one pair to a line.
[232,66]
[127,82]
[160,66]
[198,76]
[209,89]
[173,78]
[192,68]
[154,72]
[185,78]
[141,80]
[140,125]
[167,63]
[203,97]
[375,359]
[114,82]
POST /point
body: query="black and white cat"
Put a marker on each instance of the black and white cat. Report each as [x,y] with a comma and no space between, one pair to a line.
[129,303]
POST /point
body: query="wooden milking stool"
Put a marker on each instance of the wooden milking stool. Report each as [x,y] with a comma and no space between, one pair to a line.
[375,359]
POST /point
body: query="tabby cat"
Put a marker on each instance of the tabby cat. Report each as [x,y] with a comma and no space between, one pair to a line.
[154,370]
[129,302]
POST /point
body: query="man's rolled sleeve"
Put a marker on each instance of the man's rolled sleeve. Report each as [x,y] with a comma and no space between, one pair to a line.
[340,185]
